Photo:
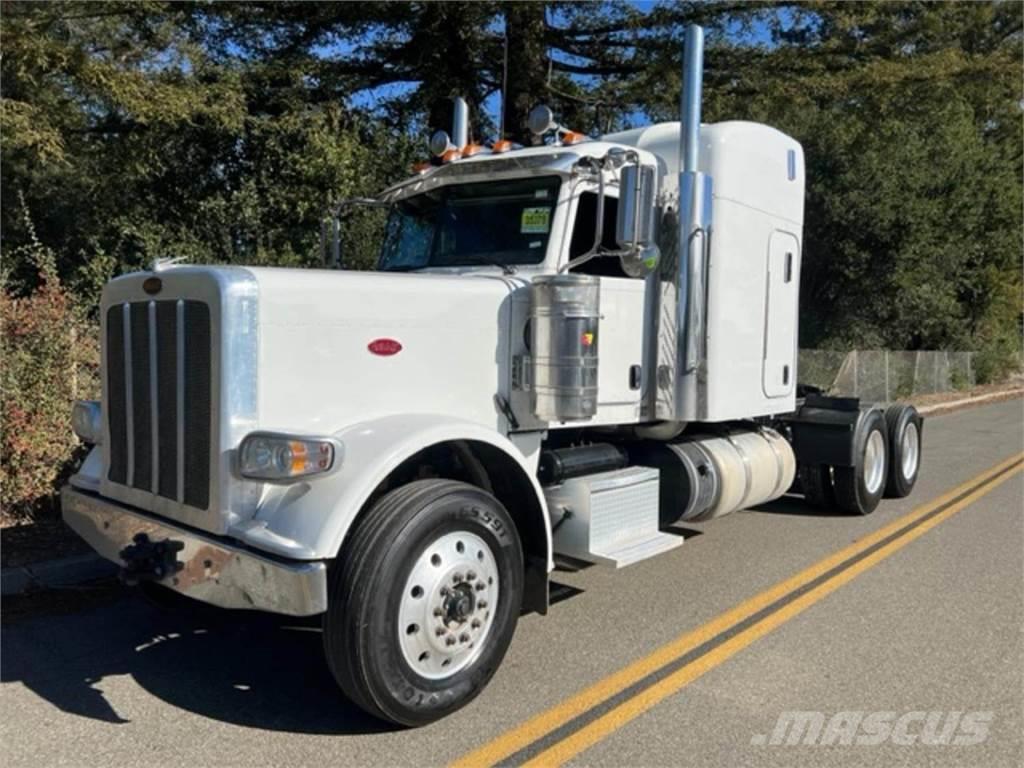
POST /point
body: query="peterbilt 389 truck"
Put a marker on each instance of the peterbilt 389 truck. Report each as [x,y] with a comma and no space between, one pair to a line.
[565,350]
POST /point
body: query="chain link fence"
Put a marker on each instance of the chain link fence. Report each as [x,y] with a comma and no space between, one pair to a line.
[886,375]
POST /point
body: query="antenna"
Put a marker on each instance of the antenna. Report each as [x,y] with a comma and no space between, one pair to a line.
[504,88]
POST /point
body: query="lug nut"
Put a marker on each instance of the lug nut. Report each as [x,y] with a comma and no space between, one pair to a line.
[439,631]
[475,624]
[444,591]
[457,578]
[438,612]
[481,604]
[470,576]
[450,640]
[463,638]
[480,586]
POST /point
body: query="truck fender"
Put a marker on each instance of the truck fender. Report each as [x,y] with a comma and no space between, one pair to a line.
[316,516]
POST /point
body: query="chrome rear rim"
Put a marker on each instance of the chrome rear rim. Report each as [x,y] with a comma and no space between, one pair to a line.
[874,461]
[910,450]
[448,604]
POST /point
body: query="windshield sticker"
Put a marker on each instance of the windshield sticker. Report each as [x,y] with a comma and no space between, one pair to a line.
[535,221]
[536,243]
[541,193]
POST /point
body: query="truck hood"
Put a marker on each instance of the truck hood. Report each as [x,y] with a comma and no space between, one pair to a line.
[337,348]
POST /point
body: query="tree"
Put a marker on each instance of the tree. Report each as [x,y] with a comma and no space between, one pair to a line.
[909,114]
[127,137]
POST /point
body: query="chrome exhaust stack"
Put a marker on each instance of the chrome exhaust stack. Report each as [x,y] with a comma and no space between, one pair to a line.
[694,238]
[460,123]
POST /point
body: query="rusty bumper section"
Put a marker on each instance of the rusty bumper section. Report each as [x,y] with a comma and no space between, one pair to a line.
[207,569]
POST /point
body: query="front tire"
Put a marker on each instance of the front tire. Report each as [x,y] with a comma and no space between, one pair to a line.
[859,488]
[424,601]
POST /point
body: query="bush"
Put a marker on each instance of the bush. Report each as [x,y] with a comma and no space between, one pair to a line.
[50,357]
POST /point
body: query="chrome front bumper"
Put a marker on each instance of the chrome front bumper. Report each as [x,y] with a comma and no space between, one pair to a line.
[213,571]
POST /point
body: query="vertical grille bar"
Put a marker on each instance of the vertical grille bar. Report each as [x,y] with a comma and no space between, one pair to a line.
[197,405]
[180,400]
[154,402]
[167,398]
[116,427]
[142,466]
[129,406]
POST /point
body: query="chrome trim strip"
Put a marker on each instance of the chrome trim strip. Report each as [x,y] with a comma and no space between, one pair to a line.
[154,403]
[213,571]
[179,369]
[126,319]
[231,295]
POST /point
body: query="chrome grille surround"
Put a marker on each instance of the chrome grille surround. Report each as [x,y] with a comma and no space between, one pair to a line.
[182,394]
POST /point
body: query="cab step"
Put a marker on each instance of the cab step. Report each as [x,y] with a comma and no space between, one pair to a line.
[609,517]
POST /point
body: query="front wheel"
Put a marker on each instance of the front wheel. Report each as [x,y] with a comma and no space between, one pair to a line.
[424,601]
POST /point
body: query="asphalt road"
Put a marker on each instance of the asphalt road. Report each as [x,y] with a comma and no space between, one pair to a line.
[922,631]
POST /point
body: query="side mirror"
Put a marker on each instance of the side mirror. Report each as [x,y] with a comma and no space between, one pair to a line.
[634,226]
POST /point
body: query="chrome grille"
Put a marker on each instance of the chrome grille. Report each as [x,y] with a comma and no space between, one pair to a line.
[159,389]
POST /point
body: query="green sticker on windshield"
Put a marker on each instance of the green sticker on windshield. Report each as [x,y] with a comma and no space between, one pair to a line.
[535,221]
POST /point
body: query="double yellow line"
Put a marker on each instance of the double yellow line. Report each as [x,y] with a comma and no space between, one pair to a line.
[562,732]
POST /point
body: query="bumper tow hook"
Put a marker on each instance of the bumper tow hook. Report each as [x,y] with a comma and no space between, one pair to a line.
[148,560]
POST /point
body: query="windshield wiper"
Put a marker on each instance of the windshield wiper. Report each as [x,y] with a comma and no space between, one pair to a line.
[405,267]
[470,261]
[508,269]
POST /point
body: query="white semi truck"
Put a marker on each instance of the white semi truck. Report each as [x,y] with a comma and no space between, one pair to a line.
[565,349]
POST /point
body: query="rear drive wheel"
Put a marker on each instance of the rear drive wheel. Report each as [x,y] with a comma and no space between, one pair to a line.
[904,426]
[816,482]
[424,601]
[859,488]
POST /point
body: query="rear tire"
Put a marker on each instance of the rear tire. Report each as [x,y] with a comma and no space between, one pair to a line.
[816,482]
[859,488]
[424,601]
[904,426]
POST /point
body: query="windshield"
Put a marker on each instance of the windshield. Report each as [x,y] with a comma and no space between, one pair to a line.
[493,222]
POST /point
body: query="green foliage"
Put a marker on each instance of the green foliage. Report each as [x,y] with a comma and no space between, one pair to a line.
[50,358]
[129,138]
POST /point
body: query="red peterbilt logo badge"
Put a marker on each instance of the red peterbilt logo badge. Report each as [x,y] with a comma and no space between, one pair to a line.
[384,347]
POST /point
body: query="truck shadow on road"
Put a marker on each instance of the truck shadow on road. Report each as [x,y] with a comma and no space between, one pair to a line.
[244,668]
[797,506]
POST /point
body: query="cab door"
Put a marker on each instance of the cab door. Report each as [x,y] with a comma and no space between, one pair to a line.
[778,373]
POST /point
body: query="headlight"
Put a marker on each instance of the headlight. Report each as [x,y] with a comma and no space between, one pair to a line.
[87,421]
[275,457]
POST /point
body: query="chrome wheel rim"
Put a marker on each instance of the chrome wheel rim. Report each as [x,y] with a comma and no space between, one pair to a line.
[874,461]
[910,449]
[448,603]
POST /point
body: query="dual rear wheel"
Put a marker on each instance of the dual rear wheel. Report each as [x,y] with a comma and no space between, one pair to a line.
[887,459]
